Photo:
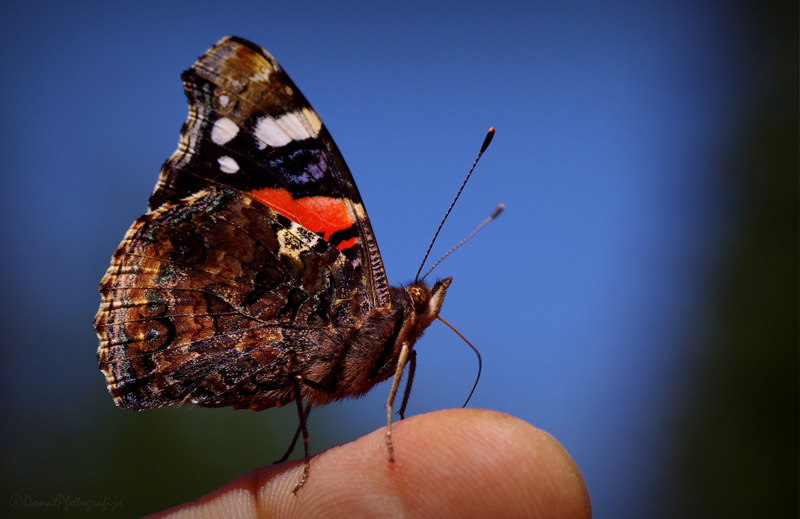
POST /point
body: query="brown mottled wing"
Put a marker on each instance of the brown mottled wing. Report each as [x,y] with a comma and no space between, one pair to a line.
[256,255]
[217,300]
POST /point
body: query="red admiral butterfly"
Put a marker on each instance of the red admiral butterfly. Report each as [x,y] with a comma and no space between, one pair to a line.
[254,280]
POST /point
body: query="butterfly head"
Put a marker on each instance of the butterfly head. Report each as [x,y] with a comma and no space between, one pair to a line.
[427,301]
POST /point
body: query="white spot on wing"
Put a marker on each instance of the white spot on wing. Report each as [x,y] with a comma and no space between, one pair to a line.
[228,165]
[269,133]
[224,99]
[224,131]
[292,126]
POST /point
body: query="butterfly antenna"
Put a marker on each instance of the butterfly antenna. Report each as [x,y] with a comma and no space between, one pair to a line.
[477,353]
[494,215]
[486,142]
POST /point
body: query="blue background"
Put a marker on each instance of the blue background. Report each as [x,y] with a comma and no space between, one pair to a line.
[592,299]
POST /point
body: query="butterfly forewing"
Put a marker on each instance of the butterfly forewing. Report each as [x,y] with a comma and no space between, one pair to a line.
[251,129]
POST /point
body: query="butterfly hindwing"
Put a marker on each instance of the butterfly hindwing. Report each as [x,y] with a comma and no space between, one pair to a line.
[217,317]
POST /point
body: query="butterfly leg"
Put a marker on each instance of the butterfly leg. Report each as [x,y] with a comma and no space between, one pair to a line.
[412,367]
[302,414]
[296,436]
[398,374]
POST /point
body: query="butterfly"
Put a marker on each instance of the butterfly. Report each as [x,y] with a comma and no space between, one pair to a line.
[254,280]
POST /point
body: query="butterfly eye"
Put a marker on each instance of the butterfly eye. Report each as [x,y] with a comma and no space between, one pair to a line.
[419,297]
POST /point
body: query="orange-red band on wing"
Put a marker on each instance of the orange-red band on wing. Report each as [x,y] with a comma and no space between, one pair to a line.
[321,214]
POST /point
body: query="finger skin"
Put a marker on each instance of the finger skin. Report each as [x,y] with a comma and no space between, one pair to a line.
[451,463]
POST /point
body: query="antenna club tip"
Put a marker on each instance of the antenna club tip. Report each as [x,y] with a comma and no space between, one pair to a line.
[487,140]
[499,209]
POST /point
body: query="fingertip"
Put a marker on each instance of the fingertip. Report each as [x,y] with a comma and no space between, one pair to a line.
[488,463]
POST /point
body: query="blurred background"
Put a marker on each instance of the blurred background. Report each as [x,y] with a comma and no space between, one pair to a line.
[638,299]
